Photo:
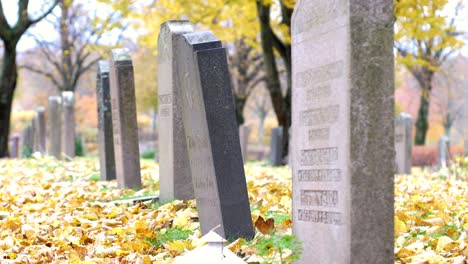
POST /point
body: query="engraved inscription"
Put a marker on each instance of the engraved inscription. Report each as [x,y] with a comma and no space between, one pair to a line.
[331,218]
[319,134]
[165,111]
[322,156]
[165,99]
[319,198]
[320,74]
[332,175]
[319,92]
[319,116]
[318,13]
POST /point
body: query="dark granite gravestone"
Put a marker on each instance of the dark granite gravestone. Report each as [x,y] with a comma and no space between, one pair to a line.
[55,127]
[124,119]
[175,180]
[276,147]
[403,143]
[68,124]
[15,146]
[105,134]
[40,132]
[212,136]
[343,130]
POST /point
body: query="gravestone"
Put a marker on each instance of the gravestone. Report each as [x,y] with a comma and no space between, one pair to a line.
[444,151]
[212,136]
[68,124]
[124,119]
[465,118]
[175,180]
[403,143]
[40,132]
[244,132]
[343,130]
[276,146]
[33,135]
[105,135]
[15,146]
[55,127]
[27,141]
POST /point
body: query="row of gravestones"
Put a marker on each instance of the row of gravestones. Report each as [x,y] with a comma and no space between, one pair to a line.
[61,129]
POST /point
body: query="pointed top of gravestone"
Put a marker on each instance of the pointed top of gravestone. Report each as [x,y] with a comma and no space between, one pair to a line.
[121,55]
[68,98]
[213,237]
[57,99]
[177,26]
[103,66]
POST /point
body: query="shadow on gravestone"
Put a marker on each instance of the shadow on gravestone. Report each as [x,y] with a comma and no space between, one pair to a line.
[343,130]
[175,179]
[124,119]
[105,134]
[212,136]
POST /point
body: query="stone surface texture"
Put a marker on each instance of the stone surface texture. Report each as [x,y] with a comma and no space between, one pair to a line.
[175,179]
[343,130]
[68,124]
[55,127]
[124,119]
[276,153]
[40,130]
[403,143]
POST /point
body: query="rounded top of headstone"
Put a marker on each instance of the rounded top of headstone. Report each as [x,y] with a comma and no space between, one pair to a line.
[40,109]
[404,116]
[68,98]
[54,99]
[121,55]
[103,66]
[177,26]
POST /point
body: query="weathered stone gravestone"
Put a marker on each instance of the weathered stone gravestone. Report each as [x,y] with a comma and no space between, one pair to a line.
[105,134]
[27,141]
[444,151]
[175,179]
[276,146]
[40,131]
[212,136]
[403,143]
[15,146]
[68,124]
[124,119]
[244,132]
[343,130]
[55,126]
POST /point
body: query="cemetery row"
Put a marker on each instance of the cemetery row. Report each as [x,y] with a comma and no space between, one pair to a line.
[343,132]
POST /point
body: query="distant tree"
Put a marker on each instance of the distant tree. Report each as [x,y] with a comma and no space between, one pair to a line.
[260,104]
[79,46]
[426,36]
[10,35]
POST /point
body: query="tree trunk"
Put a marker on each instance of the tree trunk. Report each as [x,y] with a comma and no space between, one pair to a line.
[240,105]
[422,123]
[8,79]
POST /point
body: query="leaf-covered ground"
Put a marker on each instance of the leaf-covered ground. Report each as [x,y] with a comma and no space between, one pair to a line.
[59,212]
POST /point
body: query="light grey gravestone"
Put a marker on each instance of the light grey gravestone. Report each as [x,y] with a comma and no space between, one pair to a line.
[124,120]
[244,132]
[175,180]
[68,124]
[276,146]
[40,130]
[55,127]
[105,134]
[403,143]
[15,145]
[27,141]
[343,130]
[212,136]
[33,135]
[444,151]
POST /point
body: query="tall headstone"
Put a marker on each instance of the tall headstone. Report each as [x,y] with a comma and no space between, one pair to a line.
[68,124]
[403,143]
[276,146]
[27,141]
[124,119]
[244,132]
[105,134]
[15,146]
[55,127]
[444,151]
[175,180]
[40,132]
[343,130]
[33,135]
[212,136]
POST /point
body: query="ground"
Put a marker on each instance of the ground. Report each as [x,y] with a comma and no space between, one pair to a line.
[59,212]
